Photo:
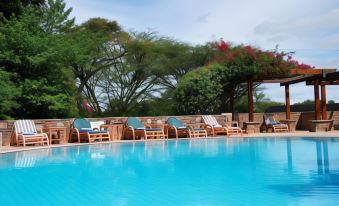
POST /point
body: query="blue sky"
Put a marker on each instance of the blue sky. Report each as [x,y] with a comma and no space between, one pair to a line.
[308,27]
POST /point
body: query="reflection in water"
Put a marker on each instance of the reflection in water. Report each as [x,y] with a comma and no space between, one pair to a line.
[326,161]
[323,181]
[29,158]
[319,157]
[289,154]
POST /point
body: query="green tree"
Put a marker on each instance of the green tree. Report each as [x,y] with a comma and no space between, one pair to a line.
[8,92]
[10,8]
[93,47]
[306,102]
[331,102]
[232,67]
[30,50]
[197,92]
[261,102]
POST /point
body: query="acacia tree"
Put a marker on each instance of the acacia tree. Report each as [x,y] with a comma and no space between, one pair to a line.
[93,48]
[132,78]
[179,58]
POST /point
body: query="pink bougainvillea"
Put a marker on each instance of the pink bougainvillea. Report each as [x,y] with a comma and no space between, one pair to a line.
[268,62]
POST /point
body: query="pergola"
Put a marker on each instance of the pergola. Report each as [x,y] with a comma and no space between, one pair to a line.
[325,78]
[316,77]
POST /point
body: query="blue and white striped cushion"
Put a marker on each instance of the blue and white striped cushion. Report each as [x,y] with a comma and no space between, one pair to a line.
[211,120]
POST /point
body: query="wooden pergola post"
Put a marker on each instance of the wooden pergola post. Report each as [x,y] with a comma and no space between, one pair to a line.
[250,99]
[316,99]
[287,98]
[323,102]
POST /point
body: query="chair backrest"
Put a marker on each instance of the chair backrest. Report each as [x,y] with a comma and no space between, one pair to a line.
[209,119]
[81,123]
[22,126]
[97,124]
[172,121]
[134,122]
[269,119]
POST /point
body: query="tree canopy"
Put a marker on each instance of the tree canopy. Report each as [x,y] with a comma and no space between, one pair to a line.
[51,67]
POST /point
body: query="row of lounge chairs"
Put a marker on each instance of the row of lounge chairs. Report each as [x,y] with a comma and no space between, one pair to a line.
[25,132]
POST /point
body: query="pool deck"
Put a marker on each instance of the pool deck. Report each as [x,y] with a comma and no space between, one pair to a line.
[7,149]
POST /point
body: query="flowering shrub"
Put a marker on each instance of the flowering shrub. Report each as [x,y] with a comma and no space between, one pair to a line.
[255,62]
[212,88]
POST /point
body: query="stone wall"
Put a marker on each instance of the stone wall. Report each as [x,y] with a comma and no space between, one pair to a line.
[307,116]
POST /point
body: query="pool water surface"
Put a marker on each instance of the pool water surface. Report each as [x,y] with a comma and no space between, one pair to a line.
[222,171]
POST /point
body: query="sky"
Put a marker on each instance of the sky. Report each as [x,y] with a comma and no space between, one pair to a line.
[310,28]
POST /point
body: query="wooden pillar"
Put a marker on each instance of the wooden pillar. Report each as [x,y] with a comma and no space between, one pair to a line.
[323,102]
[317,100]
[250,99]
[287,98]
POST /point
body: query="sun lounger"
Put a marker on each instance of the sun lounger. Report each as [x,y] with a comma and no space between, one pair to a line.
[135,128]
[25,133]
[270,122]
[177,128]
[216,128]
[81,128]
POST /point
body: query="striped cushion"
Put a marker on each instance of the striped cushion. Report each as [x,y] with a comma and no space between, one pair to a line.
[209,119]
[24,126]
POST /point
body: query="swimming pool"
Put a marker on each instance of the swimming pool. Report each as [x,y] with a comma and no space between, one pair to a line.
[232,171]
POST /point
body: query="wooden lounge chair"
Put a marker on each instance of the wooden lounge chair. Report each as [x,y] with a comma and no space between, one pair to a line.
[135,128]
[269,122]
[25,133]
[216,128]
[177,128]
[81,128]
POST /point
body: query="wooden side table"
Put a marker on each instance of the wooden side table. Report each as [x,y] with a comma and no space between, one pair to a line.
[115,130]
[61,133]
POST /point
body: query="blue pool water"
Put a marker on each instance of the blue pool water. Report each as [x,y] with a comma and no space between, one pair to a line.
[233,171]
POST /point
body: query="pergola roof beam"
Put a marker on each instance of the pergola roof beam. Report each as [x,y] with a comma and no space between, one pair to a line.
[303,78]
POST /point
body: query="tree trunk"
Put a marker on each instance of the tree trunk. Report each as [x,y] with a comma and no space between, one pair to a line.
[231,104]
